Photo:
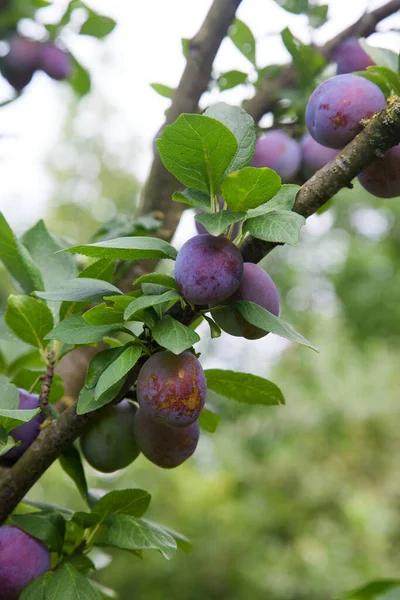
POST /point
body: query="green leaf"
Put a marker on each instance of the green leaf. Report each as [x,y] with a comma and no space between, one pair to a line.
[75,330]
[318,15]
[133,502]
[9,443]
[283,200]
[99,363]
[215,329]
[37,589]
[193,198]
[197,150]
[209,420]
[87,402]
[67,583]
[372,590]
[244,387]
[30,359]
[231,79]
[163,90]
[9,394]
[243,39]
[47,527]
[392,79]
[80,290]
[259,317]
[216,223]
[44,249]
[382,57]
[117,369]
[308,61]
[243,128]
[128,248]
[97,26]
[250,188]
[81,562]
[158,279]
[145,301]
[103,315]
[137,534]
[100,269]
[29,319]
[80,79]
[71,462]
[182,542]
[174,336]
[279,226]
[17,260]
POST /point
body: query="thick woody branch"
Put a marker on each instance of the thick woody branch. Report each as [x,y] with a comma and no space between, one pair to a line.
[379,135]
[267,95]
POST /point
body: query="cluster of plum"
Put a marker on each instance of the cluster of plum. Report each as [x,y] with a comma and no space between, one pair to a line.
[334,116]
[26,56]
[171,392]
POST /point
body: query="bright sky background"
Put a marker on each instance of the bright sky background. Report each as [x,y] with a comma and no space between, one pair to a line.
[145,47]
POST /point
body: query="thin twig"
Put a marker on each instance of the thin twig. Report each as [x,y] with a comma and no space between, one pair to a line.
[46,385]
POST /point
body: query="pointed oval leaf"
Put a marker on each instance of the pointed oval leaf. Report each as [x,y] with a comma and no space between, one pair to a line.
[67,583]
[244,387]
[250,188]
[258,316]
[279,226]
[30,319]
[174,336]
[243,128]
[128,248]
[145,301]
[133,502]
[197,150]
[17,260]
[117,369]
[216,223]
[137,534]
[80,290]
[75,330]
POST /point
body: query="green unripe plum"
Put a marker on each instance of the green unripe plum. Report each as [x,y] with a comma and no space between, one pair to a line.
[109,444]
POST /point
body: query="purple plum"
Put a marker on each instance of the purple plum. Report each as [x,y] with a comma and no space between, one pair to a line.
[382,178]
[314,156]
[166,447]
[351,57]
[21,62]
[258,287]
[55,62]
[27,432]
[172,388]
[337,107]
[208,269]
[109,443]
[279,152]
[22,559]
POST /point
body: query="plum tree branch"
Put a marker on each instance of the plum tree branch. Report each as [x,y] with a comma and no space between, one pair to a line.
[202,50]
[380,134]
[266,96]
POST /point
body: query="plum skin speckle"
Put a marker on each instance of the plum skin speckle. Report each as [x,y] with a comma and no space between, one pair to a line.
[172,388]
[338,105]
